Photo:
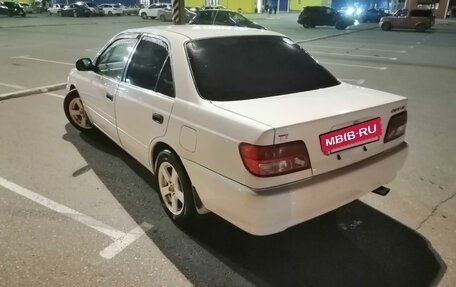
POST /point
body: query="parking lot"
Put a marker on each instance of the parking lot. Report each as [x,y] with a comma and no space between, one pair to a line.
[76,210]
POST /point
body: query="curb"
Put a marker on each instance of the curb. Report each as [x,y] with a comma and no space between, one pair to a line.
[28,92]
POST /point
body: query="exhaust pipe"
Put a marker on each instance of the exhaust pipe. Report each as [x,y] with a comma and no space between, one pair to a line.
[381,191]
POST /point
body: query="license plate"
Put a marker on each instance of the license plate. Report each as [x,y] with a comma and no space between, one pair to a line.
[352,136]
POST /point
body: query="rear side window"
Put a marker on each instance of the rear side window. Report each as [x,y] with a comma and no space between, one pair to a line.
[147,64]
[250,67]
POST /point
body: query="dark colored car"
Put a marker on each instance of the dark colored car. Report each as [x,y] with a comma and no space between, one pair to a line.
[372,15]
[11,9]
[224,18]
[312,16]
[78,9]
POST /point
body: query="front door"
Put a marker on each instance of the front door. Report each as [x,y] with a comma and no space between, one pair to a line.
[99,92]
[145,98]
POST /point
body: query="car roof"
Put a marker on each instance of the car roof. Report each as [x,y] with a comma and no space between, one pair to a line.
[194,32]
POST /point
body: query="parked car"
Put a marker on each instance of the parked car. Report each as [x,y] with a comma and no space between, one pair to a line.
[166,14]
[223,17]
[130,10]
[55,9]
[12,9]
[78,9]
[223,131]
[111,9]
[193,9]
[152,10]
[417,19]
[372,15]
[27,7]
[312,16]
[96,11]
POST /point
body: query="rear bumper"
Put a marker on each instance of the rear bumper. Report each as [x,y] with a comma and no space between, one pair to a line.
[264,212]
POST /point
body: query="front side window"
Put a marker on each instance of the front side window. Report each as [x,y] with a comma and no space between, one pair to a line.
[147,63]
[111,63]
[238,18]
[222,18]
[250,67]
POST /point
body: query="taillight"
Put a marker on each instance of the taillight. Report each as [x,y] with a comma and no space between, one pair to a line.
[274,160]
[396,127]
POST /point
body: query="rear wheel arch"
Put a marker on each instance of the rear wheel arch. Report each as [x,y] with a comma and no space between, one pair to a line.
[156,149]
[160,147]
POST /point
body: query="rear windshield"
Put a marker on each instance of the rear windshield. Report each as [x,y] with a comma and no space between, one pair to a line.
[250,67]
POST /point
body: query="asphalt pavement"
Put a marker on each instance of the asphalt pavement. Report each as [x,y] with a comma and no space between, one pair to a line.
[75,210]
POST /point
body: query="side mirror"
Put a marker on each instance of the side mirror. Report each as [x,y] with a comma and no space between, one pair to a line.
[85,64]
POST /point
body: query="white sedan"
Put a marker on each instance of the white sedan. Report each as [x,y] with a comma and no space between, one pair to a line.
[266,142]
[152,10]
[111,9]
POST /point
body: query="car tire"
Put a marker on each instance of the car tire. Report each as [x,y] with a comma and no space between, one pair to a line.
[162,18]
[110,13]
[59,13]
[24,14]
[306,25]
[75,112]
[340,26]
[144,16]
[174,188]
[386,26]
[420,27]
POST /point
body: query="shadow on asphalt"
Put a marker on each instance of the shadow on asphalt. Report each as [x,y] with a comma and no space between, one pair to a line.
[354,245]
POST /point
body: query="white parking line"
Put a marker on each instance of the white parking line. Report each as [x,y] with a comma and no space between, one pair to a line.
[55,95]
[353,55]
[121,243]
[354,48]
[42,60]
[121,239]
[354,66]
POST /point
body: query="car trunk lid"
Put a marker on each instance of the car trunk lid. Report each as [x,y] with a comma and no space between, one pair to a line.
[308,115]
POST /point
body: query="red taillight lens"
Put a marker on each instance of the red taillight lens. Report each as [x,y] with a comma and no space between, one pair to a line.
[396,127]
[274,160]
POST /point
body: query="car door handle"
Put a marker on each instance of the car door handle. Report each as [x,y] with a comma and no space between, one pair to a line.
[157,118]
[109,96]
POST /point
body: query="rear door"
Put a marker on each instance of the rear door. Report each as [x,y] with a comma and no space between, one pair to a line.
[145,97]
